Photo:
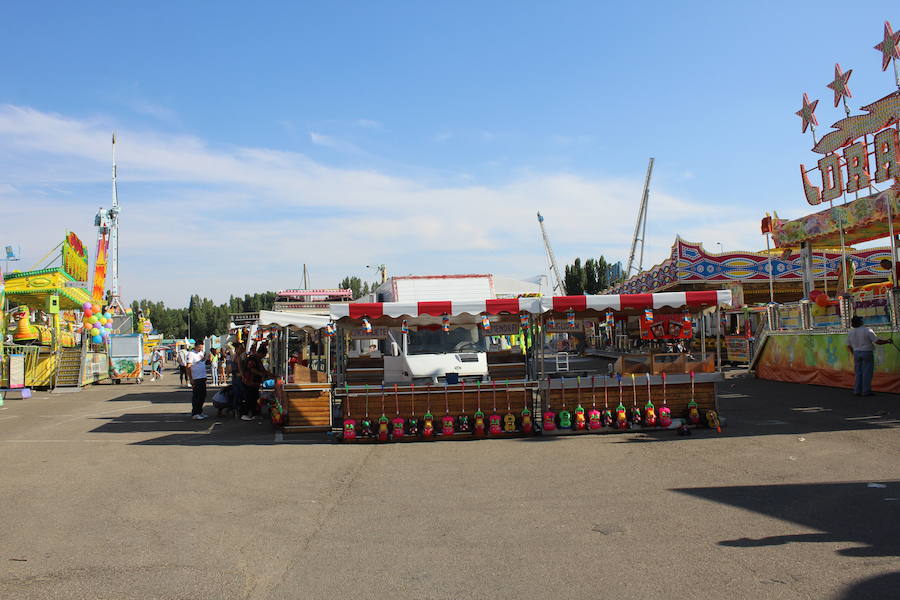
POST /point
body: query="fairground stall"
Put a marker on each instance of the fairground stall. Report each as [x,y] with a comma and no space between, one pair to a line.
[299,396]
[405,371]
[659,374]
[856,180]
[47,315]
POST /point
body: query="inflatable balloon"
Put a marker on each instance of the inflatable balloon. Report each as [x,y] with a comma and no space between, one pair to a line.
[88,313]
[107,315]
[93,319]
[97,339]
[95,332]
[86,306]
[822,300]
[95,308]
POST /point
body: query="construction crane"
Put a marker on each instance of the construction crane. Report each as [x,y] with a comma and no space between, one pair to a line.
[640,228]
[554,268]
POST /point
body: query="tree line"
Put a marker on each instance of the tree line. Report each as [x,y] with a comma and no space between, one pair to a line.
[592,277]
[202,316]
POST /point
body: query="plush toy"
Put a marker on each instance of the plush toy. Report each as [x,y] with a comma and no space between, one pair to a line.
[621,417]
[412,423]
[462,422]
[649,414]
[509,423]
[383,428]
[397,427]
[712,420]
[606,417]
[636,418]
[365,428]
[549,421]
[479,422]
[527,423]
[580,422]
[427,424]
[349,429]
[494,427]
[594,421]
[693,413]
[665,414]
[565,417]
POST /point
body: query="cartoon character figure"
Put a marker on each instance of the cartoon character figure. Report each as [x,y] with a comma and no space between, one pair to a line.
[621,417]
[365,428]
[397,428]
[712,420]
[479,422]
[665,416]
[649,414]
[412,426]
[462,424]
[606,417]
[427,425]
[509,422]
[25,332]
[383,428]
[527,424]
[580,422]
[693,413]
[636,418]
[594,419]
[447,425]
[549,420]
[494,427]
[349,429]
[565,419]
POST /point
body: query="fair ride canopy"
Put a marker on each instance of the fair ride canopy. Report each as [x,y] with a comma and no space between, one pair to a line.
[697,301]
[448,308]
[295,320]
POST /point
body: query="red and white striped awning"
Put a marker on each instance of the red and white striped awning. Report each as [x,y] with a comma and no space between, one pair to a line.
[620,302]
[494,306]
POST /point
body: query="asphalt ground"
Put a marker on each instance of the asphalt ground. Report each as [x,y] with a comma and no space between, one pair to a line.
[115,493]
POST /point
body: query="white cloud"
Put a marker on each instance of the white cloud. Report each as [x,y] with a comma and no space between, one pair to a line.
[219,220]
[368,124]
[327,141]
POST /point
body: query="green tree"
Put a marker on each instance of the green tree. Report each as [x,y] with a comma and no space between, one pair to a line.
[592,277]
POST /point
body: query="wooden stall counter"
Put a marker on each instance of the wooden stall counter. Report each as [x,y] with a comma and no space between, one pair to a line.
[308,407]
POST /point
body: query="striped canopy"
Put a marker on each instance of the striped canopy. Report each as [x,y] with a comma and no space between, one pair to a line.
[621,302]
[375,310]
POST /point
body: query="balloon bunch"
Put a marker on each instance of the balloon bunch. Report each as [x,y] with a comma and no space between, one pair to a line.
[95,324]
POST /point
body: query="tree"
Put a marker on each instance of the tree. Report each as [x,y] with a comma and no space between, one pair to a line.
[592,277]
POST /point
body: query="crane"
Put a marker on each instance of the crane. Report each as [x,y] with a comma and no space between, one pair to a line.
[640,228]
[559,285]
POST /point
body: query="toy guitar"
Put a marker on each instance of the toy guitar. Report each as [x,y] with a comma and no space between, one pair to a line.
[665,414]
[383,428]
[479,415]
[412,423]
[527,423]
[427,424]
[580,422]
[397,423]
[712,420]
[649,414]
[509,419]
[494,427]
[692,408]
[447,421]
[621,417]
[565,417]
[462,422]
[349,429]
[548,421]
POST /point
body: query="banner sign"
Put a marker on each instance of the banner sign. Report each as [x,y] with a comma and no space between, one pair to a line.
[667,327]
[74,257]
[503,329]
[100,268]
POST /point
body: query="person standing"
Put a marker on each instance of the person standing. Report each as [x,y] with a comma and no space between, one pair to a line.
[156,364]
[181,358]
[253,373]
[214,365]
[861,343]
[196,369]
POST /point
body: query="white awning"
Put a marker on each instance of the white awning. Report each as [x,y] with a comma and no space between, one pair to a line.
[297,320]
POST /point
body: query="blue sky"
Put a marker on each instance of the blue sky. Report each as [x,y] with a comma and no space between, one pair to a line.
[256,137]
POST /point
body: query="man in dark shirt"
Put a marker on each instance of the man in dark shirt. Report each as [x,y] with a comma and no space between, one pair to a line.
[252,375]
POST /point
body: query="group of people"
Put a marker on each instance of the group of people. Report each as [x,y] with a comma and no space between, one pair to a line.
[247,372]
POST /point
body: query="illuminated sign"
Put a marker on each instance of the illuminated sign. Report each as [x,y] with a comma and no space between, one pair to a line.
[867,140]
[74,257]
[100,268]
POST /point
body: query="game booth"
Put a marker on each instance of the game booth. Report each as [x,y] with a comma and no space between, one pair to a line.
[455,370]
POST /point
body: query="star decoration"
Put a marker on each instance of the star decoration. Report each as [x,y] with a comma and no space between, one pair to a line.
[839,85]
[889,46]
[808,113]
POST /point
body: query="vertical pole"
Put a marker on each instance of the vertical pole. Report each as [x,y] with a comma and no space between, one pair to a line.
[771,269]
[718,338]
[890,219]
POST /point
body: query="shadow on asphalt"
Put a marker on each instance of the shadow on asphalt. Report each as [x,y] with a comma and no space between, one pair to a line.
[879,586]
[860,514]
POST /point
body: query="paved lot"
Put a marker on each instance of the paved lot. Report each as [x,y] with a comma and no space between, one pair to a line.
[115,493]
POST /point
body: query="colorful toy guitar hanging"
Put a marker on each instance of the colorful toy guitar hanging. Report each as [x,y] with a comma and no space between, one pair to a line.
[428,418]
[384,424]
[412,424]
[565,417]
[365,428]
[712,420]
[366,325]
[397,423]
[349,425]
[549,417]
[494,427]
[526,420]
[594,414]
[606,417]
[462,423]
[665,414]
[621,416]
[509,419]
[485,323]
[580,422]
[404,327]
[445,324]
[692,409]
[570,319]
[447,421]
[479,415]
[635,411]
[649,409]
[523,320]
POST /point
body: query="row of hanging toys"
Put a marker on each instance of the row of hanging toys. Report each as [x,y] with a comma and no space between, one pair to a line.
[384,429]
[595,419]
